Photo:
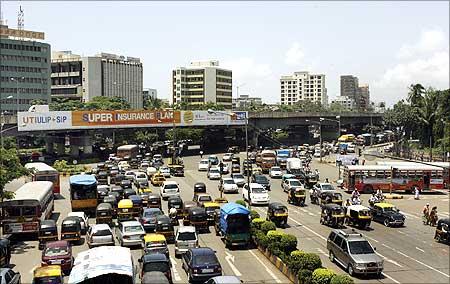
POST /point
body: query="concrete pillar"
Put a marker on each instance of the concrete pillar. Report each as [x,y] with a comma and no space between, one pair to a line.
[60,148]
[86,142]
[49,146]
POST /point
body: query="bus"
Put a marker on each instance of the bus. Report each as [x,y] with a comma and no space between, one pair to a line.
[32,203]
[83,193]
[444,165]
[127,151]
[41,172]
[370,178]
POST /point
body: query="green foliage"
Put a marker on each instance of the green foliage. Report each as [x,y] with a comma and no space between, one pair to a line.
[304,276]
[254,214]
[196,134]
[322,276]
[146,137]
[288,243]
[60,165]
[241,202]
[261,238]
[256,224]
[10,169]
[97,103]
[9,142]
[206,106]
[342,279]
[154,103]
[268,226]
[275,236]
[304,260]
[280,135]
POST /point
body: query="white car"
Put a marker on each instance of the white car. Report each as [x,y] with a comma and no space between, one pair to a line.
[214,173]
[258,195]
[141,179]
[123,166]
[84,220]
[290,183]
[203,165]
[99,235]
[144,165]
[130,175]
[238,179]
[130,233]
[185,238]
[227,157]
[151,171]
[169,188]
[165,171]
[323,186]
[351,148]
[228,186]
[275,172]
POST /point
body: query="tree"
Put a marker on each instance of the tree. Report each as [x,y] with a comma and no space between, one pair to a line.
[146,137]
[10,169]
[427,114]
[97,103]
[415,94]
[154,103]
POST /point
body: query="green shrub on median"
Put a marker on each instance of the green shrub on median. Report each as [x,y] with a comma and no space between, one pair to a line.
[299,260]
[241,202]
[267,226]
[304,276]
[342,279]
[322,276]
[254,214]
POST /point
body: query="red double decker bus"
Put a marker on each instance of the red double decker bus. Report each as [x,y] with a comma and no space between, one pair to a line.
[43,172]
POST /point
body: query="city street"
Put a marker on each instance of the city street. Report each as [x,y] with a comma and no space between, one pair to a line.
[410,253]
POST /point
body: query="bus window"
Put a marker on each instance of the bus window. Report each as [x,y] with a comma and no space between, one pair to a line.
[29,211]
[380,174]
[12,211]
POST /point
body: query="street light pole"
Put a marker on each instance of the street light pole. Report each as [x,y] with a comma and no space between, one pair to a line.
[338,117]
[321,140]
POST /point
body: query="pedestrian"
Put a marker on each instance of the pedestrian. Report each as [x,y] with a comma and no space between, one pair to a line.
[363,162]
[416,193]
[201,154]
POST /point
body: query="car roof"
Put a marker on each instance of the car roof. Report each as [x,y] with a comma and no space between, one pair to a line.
[78,213]
[384,205]
[170,182]
[131,223]
[202,251]
[204,160]
[183,229]
[152,210]
[154,257]
[324,183]
[357,207]
[227,178]
[350,234]
[97,227]
[55,244]
[292,179]
[226,279]
[254,185]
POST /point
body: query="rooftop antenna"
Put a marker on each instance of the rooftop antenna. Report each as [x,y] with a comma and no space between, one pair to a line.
[20,22]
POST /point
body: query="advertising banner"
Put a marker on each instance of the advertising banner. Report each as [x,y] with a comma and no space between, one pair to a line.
[123,118]
[32,121]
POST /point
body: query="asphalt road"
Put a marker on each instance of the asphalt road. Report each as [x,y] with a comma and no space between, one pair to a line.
[410,253]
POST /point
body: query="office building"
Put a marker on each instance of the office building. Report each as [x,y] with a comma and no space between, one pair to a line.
[245,101]
[303,86]
[148,93]
[202,82]
[24,69]
[347,102]
[363,97]
[108,75]
[360,94]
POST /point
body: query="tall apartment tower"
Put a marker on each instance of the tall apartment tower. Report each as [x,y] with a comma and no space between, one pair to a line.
[109,75]
[360,94]
[202,82]
[303,86]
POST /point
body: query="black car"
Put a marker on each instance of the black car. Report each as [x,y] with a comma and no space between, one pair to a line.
[201,264]
[126,183]
[102,192]
[156,262]
[387,214]
[262,180]
[148,219]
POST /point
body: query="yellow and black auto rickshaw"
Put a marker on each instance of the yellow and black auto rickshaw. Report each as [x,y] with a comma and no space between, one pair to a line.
[71,229]
[157,179]
[358,215]
[332,215]
[104,214]
[331,196]
[155,243]
[137,205]
[442,233]
[154,201]
[186,206]
[48,274]
[210,208]
[110,199]
[197,217]
[297,196]
[48,231]
[125,210]
[277,213]
[164,227]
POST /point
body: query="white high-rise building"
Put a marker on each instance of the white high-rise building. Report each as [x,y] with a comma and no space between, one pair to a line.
[347,102]
[202,82]
[303,86]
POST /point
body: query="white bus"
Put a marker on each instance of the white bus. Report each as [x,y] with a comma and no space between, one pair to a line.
[41,171]
[32,203]
[127,151]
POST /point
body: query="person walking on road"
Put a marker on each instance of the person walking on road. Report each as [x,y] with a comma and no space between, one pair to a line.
[416,193]
[201,154]
[426,213]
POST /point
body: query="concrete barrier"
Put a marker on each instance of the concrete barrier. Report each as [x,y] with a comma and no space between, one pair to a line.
[279,264]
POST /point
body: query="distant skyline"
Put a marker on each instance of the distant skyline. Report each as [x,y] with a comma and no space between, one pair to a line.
[388,45]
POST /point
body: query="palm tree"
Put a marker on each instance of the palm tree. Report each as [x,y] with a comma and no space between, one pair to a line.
[415,94]
[427,114]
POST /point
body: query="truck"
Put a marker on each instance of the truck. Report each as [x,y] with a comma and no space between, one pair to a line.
[282,156]
[232,223]
[266,159]
[294,167]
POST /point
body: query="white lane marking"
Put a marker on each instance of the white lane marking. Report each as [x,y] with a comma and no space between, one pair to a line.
[322,252]
[400,232]
[372,239]
[267,269]
[303,226]
[174,269]
[389,260]
[424,264]
[410,215]
[387,246]
[311,214]
[385,275]
[420,249]
[230,259]
[304,210]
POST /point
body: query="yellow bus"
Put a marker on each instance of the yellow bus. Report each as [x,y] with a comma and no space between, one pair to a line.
[83,193]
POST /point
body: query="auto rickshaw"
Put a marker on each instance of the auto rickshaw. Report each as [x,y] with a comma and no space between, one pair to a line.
[71,229]
[48,274]
[332,215]
[277,213]
[186,206]
[197,217]
[137,205]
[145,189]
[158,179]
[358,215]
[104,213]
[111,199]
[210,208]
[297,196]
[155,243]
[442,233]
[128,192]
[199,187]
[117,189]
[154,201]
[331,196]
[125,210]
[102,178]
[235,168]
[164,227]
[177,203]
[220,201]
[257,171]
[48,231]
[177,170]
[119,178]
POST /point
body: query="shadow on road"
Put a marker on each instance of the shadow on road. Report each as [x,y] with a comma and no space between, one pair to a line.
[22,247]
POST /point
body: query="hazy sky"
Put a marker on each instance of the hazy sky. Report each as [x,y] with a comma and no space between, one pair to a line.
[388,45]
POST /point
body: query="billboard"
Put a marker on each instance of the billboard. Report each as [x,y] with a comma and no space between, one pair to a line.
[71,120]
[6,32]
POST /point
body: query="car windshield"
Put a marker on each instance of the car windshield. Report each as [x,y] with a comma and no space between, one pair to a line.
[171,186]
[205,198]
[141,176]
[132,229]
[55,251]
[228,181]
[214,171]
[238,176]
[390,209]
[327,187]
[261,179]
[187,236]
[203,162]
[46,280]
[205,259]
[152,213]
[102,232]
[276,169]
[258,190]
[295,183]
[156,266]
[360,247]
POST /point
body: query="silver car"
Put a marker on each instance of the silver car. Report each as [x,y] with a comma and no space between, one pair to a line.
[99,235]
[351,250]
[185,238]
[130,233]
